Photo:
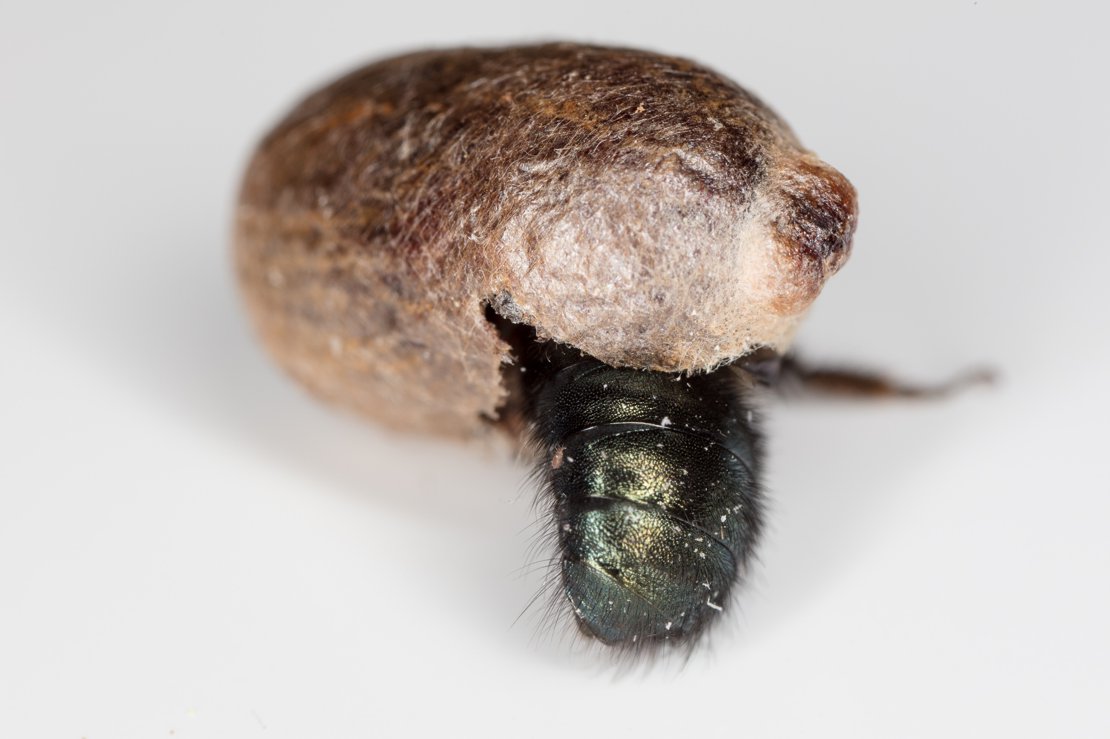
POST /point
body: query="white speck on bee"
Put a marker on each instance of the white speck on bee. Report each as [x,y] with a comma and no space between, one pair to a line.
[709,602]
[665,422]
[723,518]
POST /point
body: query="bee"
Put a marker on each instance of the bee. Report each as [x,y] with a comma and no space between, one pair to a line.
[600,251]
[653,483]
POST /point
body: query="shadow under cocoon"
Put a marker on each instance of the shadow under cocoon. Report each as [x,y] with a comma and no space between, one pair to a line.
[176,330]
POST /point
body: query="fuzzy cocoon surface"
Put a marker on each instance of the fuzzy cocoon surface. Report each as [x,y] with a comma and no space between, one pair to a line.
[638,207]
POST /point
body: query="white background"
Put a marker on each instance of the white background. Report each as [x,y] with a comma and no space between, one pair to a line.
[190,546]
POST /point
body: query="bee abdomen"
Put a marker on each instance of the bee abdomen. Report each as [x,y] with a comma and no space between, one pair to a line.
[656,500]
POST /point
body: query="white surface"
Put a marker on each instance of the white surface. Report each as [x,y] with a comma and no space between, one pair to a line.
[190,546]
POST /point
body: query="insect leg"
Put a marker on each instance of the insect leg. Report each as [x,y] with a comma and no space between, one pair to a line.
[788,374]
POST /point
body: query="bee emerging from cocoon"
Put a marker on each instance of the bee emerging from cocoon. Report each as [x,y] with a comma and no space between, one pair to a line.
[652,479]
[600,252]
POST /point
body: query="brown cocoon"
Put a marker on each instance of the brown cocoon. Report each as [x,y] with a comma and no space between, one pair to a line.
[638,207]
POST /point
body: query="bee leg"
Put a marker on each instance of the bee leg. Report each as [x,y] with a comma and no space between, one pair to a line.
[788,374]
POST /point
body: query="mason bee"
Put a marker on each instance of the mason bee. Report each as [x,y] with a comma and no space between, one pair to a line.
[601,250]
